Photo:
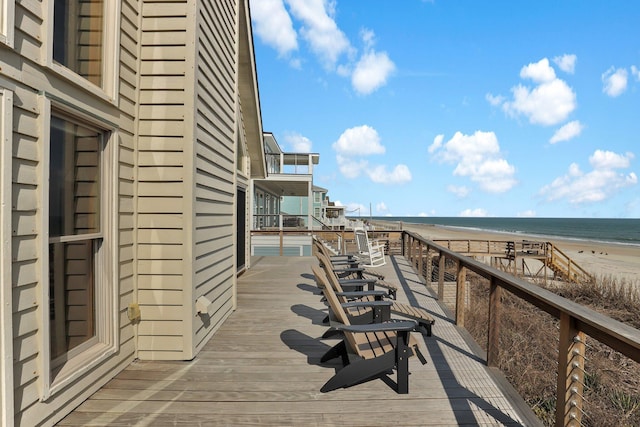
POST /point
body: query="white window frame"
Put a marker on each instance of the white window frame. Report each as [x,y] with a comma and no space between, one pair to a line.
[110,55]
[7,16]
[6,319]
[106,343]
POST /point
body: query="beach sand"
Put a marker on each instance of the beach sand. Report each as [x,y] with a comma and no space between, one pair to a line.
[604,260]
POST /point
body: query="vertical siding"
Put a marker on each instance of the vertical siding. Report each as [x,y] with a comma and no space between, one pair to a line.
[162,250]
[216,83]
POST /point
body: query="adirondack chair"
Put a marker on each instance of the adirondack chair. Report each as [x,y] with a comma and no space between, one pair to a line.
[352,274]
[368,351]
[371,252]
[424,320]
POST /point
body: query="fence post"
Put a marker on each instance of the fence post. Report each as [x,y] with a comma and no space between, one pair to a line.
[428,269]
[495,309]
[461,293]
[420,260]
[441,262]
[570,388]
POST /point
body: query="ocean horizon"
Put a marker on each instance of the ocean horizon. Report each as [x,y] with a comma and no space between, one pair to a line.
[625,231]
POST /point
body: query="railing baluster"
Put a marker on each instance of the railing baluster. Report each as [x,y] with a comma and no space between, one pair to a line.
[571,353]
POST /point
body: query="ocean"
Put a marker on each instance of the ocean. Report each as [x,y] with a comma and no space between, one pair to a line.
[609,230]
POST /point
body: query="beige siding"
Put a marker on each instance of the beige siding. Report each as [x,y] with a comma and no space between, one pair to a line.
[27,224]
[215,162]
[163,180]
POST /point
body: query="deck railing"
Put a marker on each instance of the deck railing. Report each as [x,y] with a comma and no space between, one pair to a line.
[575,321]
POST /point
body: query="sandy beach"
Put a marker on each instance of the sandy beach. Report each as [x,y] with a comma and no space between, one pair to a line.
[621,262]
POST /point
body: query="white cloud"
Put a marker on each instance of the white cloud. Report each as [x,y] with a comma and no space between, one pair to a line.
[399,175]
[567,63]
[539,72]
[381,207]
[351,168]
[635,72]
[601,183]
[478,212]
[567,132]
[548,103]
[373,68]
[494,100]
[359,141]
[615,81]
[272,24]
[478,157]
[371,72]
[526,214]
[320,29]
[437,143]
[609,160]
[298,143]
[459,191]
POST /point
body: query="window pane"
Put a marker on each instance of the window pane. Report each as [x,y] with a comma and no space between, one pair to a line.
[74,180]
[77,37]
[71,295]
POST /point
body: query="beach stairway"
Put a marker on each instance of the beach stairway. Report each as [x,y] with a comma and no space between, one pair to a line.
[563,267]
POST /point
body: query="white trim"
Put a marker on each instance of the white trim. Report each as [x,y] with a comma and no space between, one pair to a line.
[7,14]
[6,319]
[105,343]
[110,56]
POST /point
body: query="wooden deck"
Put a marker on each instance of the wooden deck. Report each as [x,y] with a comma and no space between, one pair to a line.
[262,368]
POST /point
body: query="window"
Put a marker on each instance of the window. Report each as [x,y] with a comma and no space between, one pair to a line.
[84,41]
[6,21]
[81,291]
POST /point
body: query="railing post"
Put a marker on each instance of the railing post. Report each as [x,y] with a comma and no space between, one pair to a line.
[427,277]
[441,262]
[570,388]
[420,260]
[495,309]
[281,241]
[461,292]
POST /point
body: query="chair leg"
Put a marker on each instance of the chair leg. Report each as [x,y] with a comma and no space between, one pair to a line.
[338,350]
[402,362]
[360,371]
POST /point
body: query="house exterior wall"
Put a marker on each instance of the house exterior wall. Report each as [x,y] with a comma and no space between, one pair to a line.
[170,107]
[30,87]
[216,124]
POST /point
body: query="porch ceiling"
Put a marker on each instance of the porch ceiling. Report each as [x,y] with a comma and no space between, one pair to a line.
[284,187]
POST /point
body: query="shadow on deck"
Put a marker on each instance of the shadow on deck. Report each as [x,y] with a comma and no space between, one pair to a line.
[263,368]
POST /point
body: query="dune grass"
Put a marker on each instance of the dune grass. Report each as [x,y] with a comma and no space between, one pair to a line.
[528,344]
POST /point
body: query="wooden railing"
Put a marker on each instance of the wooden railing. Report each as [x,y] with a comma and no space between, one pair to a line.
[575,321]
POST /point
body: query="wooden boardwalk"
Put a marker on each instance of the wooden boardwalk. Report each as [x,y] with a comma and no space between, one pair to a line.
[262,369]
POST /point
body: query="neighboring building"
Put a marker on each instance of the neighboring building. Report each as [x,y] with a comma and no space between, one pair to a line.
[130,133]
[283,200]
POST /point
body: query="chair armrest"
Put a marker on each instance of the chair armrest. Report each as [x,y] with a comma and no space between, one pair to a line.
[357,294]
[357,281]
[401,325]
[367,304]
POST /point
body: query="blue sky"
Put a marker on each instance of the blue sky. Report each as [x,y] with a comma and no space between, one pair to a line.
[458,108]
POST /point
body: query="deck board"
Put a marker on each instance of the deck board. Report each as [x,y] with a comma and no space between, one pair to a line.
[263,368]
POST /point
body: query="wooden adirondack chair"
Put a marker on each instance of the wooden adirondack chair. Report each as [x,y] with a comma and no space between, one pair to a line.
[368,351]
